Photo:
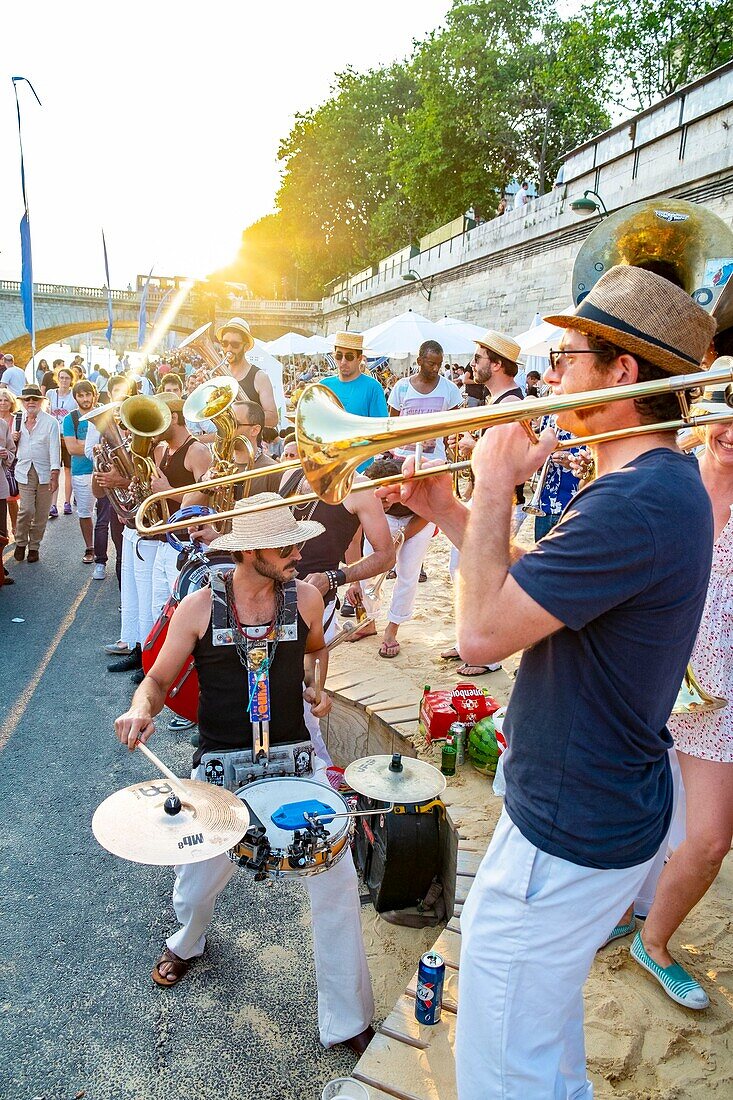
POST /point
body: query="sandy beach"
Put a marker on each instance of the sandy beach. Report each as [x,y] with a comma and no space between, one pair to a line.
[641,1046]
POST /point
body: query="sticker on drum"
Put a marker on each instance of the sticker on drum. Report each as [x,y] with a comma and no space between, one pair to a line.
[267,849]
[195,573]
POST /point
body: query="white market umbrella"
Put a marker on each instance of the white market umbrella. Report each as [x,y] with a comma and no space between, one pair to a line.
[404,334]
[292,343]
[261,357]
[540,337]
[319,345]
[464,328]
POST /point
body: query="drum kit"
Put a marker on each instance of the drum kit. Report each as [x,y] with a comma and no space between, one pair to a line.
[283,827]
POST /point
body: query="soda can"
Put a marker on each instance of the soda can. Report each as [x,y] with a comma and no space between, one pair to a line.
[429,998]
[459,732]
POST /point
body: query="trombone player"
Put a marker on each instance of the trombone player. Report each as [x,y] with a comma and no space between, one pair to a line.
[606,610]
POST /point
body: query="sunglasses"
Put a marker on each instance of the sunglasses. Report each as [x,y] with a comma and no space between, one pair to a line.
[349,356]
[233,344]
[286,551]
[556,356]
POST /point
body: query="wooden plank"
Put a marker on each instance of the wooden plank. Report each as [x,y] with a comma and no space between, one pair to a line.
[374,1090]
[468,863]
[408,1072]
[448,944]
[402,1025]
[454,925]
[450,989]
[463,885]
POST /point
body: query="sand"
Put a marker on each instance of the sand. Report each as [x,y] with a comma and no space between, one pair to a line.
[641,1046]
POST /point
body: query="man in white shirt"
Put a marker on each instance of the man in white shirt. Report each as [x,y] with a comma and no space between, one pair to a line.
[520,199]
[38,446]
[425,392]
[13,377]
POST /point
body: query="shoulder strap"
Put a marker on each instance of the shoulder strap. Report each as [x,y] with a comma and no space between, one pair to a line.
[75,421]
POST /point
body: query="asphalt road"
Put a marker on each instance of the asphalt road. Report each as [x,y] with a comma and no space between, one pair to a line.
[80,928]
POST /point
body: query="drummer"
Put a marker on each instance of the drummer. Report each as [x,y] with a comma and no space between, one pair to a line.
[222,628]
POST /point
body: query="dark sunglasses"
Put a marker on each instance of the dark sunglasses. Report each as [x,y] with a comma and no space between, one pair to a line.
[556,356]
[349,356]
[234,344]
[286,551]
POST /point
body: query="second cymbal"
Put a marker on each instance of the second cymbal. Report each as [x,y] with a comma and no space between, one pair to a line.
[133,823]
[395,778]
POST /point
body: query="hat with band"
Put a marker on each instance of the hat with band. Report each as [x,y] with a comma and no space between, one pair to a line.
[31,391]
[237,324]
[644,314]
[266,530]
[500,344]
[350,341]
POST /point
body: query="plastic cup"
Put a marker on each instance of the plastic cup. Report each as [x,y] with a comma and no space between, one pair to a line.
[344,1088]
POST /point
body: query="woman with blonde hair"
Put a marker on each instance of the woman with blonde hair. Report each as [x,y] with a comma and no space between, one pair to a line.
[9,406]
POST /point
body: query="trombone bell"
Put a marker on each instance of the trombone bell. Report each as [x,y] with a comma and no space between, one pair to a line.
[693,699]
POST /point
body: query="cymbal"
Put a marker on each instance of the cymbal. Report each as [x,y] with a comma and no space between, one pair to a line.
[133,824]
[375,777]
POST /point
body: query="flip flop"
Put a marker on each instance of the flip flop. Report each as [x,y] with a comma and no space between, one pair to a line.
[451,655]
[385,649]
[465,670]
[179,968]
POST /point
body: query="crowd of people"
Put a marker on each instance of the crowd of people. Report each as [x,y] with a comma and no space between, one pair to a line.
[607,608]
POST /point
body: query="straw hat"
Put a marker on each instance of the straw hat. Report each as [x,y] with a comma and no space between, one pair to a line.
[500,344]
[173,400]
[647,315]
[350,341]
[238,324]
[266,530]
[30,391]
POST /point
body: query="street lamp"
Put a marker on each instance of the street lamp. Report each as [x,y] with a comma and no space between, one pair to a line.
[413,276]
[586,205]
[349,305]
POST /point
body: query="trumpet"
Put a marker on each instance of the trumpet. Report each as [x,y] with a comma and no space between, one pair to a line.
[333,443]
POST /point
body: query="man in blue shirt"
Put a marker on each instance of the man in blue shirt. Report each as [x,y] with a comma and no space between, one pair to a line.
[359,393]
[606,609]
[74,431]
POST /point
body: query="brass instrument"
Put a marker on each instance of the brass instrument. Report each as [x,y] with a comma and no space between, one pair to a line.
[145,418]
[333,443]
[534,508]
[674,238]
[112,454]
[213,400]
[217,365]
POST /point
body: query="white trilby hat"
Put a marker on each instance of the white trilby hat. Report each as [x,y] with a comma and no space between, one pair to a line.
[266,530]
[500,344]
[351,341]
[237,324]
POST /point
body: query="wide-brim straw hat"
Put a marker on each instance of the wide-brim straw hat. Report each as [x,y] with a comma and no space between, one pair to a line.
[173,400]
[237,324]
[266,530]
[350,341]
[646,315]
[501,345]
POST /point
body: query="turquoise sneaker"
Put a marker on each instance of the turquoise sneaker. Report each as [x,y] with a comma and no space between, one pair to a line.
[674,979]
[621,930]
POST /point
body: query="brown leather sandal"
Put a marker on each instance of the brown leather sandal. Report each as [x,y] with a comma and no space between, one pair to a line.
[178,968]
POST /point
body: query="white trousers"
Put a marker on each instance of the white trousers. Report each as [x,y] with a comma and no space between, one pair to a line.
[345,1001]
[409,560]
[165,574]
[673,839]
[531,927]
[82,486]
[313,725]
[136,586]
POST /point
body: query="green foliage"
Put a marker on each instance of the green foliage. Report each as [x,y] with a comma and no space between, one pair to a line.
[491,96]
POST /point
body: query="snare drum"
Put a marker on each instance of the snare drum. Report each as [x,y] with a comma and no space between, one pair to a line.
[284,852]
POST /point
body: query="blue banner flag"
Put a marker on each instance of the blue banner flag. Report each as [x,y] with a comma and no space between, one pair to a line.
[108,330]
[143,316]
[26,254]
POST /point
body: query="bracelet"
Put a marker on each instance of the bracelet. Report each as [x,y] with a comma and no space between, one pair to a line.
[335,577]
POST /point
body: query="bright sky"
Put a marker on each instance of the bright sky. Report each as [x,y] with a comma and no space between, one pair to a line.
[161,121]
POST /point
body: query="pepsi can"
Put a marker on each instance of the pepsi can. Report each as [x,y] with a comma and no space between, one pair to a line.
[429,998]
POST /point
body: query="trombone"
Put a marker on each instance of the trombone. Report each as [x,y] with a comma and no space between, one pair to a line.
[333,443]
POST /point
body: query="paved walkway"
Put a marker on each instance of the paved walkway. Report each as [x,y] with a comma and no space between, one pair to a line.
[79,928]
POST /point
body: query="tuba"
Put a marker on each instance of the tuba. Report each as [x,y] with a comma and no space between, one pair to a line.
[681,241]
[216,365]
[214,400]
[112,454]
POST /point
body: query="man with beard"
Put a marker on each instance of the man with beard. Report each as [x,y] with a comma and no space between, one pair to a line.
[236,340]
[272,632]
[74,434]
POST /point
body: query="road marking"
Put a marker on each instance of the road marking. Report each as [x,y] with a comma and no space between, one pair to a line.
[26,695]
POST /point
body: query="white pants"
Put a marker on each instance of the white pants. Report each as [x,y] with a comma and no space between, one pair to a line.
[165,574]
[313,725]
[409,560]
[82,486]
[345,1002]
[531,927]
[136,586]
[673,839]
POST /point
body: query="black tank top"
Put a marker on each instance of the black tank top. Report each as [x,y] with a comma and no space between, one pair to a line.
[224,695]
[248,384]
[172,466]
[326,551]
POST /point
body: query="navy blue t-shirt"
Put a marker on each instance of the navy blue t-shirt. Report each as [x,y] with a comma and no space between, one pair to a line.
[626,570]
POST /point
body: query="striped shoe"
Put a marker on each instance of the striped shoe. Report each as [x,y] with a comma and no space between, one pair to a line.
[621,930]
[674,979]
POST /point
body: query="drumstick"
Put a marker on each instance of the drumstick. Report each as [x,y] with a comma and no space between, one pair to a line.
[317,680]
[154,760]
